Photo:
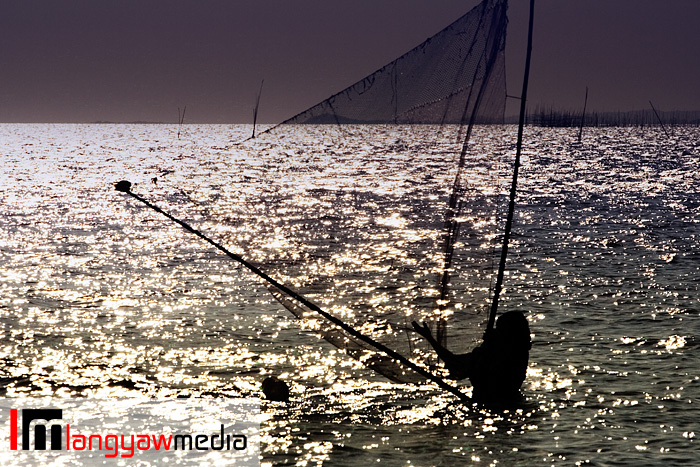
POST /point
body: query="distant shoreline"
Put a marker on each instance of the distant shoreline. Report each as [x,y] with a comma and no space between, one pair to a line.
[551,117]
[539,116]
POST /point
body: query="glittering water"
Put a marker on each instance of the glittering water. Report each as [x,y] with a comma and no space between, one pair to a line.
[101,297]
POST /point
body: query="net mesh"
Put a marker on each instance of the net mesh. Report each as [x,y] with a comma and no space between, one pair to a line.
[451,77]
[417,242]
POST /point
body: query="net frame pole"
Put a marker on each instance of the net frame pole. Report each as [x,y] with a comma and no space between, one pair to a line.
[452,227]
[514,186]
[124,187]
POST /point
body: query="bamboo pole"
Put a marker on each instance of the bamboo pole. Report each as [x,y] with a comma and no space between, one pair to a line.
[125,187]
[513,189]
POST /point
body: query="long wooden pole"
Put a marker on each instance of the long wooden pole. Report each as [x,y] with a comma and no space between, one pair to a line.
[513,189]
[125,187]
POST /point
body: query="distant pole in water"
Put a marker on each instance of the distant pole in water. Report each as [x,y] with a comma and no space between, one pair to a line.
[583,116]
[124,186]
[180,120]
[513,189]
[659,119]
[257,105]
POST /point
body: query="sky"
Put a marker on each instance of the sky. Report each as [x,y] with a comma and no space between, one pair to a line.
[141,60]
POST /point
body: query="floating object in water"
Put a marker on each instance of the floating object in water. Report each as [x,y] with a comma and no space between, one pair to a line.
[123,186]
[275,389]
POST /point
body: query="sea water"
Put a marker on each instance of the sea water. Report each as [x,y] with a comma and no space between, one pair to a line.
[101,297]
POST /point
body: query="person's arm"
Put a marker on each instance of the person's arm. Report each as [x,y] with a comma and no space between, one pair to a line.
[458,365]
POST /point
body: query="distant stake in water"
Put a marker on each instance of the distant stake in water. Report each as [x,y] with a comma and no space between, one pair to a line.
[663,127]
[583,116]
[124,186]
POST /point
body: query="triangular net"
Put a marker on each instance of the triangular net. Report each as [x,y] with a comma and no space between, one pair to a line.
[451,77]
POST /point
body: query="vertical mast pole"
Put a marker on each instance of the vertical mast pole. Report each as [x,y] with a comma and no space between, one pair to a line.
[513,188]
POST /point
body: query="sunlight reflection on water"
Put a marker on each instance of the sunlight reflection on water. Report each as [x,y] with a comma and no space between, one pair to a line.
[101,298]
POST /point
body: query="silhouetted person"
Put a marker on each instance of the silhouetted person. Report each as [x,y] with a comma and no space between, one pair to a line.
[497,367]
[275,389]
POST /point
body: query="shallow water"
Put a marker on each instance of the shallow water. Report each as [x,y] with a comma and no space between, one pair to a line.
[103,298]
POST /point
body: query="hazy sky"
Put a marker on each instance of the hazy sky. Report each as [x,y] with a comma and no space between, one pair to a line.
[128,60]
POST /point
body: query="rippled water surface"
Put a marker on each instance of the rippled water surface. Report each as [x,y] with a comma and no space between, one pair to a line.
[101,297]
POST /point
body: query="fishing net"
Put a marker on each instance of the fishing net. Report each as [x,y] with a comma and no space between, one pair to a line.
[394,184]
[457,76]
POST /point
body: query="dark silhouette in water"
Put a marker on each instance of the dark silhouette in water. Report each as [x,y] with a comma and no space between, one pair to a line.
[123,185]
[275,389]
[497,367]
